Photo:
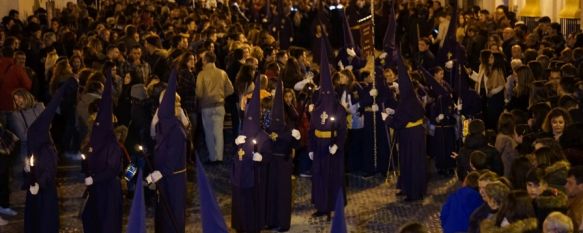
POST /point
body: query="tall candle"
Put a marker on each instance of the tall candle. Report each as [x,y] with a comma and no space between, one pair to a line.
[333,129]
[254,146]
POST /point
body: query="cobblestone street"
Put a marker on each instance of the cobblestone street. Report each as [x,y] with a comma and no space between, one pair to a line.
[372,203]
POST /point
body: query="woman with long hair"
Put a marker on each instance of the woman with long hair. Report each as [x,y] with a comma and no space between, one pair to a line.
[490,83]
[64,130]
[521,92]
[516,214]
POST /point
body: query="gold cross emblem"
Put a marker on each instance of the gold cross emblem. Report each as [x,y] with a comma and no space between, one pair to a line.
[449,55]
[241,153]
[273,136]
[323,117]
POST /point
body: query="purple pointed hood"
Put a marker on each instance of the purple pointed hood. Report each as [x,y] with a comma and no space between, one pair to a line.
[210,213]
[450,41]
[347,33]
[389,45]
[339,221]
[251,125]
[326,88]
[167,106]
[102,132]
[39,131]
[137,217]
[277,110]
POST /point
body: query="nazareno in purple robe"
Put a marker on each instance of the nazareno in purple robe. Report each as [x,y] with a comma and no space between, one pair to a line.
[103,210]
[327,169]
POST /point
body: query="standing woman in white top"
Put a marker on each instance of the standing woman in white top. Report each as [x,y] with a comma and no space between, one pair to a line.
[490,85]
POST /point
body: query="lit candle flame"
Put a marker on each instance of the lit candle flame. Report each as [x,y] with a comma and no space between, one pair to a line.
[332,118]
[32,160]
[83,156]
[254,141]
[140,148]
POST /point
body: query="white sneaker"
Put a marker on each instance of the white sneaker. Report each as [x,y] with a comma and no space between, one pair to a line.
[3,222]
[7,211]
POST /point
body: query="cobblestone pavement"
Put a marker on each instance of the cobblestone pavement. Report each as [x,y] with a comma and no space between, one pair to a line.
[372,203]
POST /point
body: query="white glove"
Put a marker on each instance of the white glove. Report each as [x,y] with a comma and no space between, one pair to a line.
[348,67]
[383,55]
[240,140]
[350,52]
[310,107]
[439,117]
[375,108]
[373,92]
[333,149]
[449,64]
[340,65]
[296,134]
[88,181]
[311,155]
[384,115]
[257,157]
[389,111]
[34,189]
[458,107]
[154,177]
[26,166]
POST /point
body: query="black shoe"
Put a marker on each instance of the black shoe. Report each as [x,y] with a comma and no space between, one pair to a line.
[283,230]
[319,214]
[409,199]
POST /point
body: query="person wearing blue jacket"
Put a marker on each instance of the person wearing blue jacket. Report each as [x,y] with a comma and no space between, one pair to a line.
[455,213]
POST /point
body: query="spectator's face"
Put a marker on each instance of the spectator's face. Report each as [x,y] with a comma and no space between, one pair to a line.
[113,54]
[288,98]
[535,190]
[558,125]
[192,26]
[136,37]
[389,75]
[573,189]
[183,44]
[482,17]
[20,60]
[439,76]
[507,34]
[516,52]
[422,46]
[55,26]
[19,101]
[191,62]
[76,63]
[555,76]
[136,54]
[360,3]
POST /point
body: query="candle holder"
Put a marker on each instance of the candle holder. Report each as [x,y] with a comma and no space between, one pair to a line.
[254,146]
[333,136]
[31,162]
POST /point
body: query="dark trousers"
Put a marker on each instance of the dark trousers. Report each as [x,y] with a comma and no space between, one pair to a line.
[5,162]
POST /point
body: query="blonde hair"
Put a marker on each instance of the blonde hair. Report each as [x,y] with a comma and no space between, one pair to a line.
[557,222]
[27,96]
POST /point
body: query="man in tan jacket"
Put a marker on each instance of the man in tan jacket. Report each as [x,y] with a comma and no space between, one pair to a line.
[212,86]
